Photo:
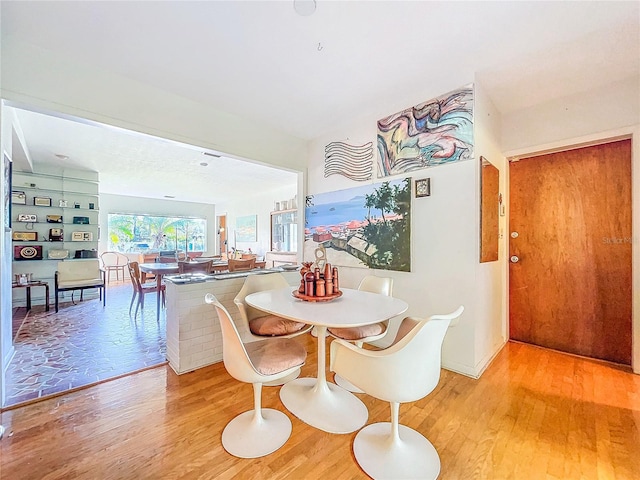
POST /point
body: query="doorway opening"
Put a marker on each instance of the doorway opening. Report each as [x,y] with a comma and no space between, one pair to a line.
[222,235]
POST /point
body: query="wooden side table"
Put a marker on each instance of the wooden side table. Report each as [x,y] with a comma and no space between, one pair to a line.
[34,284]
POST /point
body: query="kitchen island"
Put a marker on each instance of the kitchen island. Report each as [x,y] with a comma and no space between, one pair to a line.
[194,339]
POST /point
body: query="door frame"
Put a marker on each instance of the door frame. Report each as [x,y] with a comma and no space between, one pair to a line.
[221,233]
[633,133]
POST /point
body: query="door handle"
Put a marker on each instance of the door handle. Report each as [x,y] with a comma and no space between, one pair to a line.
[514,259]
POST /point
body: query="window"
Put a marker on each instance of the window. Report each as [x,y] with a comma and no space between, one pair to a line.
[148,233]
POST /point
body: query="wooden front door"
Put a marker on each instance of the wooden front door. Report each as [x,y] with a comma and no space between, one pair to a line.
[570,229]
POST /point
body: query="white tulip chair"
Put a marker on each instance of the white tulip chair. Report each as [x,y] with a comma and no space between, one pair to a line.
[366,333]
[406,371]
[259,325]
[260,431]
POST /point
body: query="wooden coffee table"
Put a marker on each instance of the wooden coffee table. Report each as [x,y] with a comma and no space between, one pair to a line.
[34,284]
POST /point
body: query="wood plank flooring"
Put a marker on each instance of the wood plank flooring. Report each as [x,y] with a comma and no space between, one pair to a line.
[534,414]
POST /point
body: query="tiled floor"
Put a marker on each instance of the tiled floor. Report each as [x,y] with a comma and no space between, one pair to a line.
[83,344]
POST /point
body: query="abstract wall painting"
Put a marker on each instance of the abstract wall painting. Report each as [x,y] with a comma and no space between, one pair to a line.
[352,161]
[246,229]
[367,226]
[435,132]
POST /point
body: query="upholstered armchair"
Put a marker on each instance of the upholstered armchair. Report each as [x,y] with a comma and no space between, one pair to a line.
[80,275]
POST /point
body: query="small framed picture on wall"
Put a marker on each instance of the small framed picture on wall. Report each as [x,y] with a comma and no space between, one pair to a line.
[423,187]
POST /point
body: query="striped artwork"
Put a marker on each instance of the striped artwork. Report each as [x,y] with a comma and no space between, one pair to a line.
[351,161]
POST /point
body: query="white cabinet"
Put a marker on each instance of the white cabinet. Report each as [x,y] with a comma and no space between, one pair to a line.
[277,259]
[284,231]
[61,212]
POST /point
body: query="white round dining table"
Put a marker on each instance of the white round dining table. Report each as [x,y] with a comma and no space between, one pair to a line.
[316,401]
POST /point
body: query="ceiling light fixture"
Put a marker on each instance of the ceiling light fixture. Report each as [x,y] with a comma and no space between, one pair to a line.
[204,164]
[61,156]
[304,7]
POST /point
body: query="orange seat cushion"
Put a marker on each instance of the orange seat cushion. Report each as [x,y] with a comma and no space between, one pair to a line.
[358,333]
[273,326]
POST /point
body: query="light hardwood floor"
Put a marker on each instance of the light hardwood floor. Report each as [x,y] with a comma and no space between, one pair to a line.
[534,414]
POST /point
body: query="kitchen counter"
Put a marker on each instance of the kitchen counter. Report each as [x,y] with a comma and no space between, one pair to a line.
[194,339]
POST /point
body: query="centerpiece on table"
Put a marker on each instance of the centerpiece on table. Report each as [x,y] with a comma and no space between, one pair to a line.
[318,284]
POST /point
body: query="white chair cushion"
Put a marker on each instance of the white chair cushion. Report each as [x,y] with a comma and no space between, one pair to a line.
[272,325]
[80,283]
[80,271]
[405,327]
[275,355]
[358,333]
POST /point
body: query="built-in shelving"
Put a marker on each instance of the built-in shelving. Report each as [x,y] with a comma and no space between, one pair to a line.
[80,192]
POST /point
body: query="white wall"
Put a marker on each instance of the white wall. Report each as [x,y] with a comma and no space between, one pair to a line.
[38,78]
[603,109]
[445,233]
[150,206]
[260,204]
[491,287]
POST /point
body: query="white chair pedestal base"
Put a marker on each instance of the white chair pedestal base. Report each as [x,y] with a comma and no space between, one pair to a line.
[410,456]
[249,437]
[324,405]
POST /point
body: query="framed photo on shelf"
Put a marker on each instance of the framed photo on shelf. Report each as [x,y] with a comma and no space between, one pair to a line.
[81,236]
[19,198]
[42,201]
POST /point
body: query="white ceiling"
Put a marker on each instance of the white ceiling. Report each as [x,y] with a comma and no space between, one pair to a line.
[304,75]
[133,164]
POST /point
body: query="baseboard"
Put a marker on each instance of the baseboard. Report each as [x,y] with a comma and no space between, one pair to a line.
[476,371]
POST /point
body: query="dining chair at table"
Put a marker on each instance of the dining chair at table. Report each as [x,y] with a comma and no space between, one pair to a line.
[406,371]
[260,431]
[114,262]
[366,333]
[195,267]
[238,264]
[141,289]
[258,325]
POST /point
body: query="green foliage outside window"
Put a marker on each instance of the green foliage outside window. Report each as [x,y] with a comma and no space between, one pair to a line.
[148,233]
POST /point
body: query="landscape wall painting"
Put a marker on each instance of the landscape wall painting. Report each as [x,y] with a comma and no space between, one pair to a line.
[246,229]
[366,226]
[432,133]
